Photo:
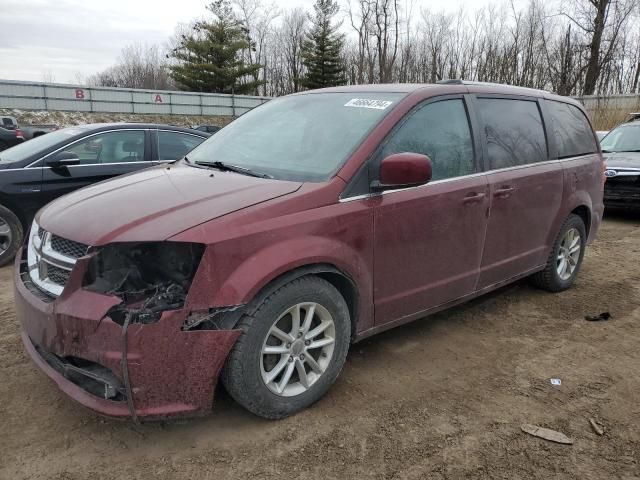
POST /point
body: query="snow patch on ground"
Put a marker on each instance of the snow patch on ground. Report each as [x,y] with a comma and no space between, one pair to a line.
[67,119]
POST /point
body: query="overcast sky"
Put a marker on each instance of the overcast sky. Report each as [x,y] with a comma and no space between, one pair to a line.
[63,39]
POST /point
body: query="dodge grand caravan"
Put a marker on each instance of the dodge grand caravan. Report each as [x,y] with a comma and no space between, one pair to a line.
[309,223]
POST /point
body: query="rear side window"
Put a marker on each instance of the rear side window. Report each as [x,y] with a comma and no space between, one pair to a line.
[439,130]
[514,132]
[175,145]
[571,130]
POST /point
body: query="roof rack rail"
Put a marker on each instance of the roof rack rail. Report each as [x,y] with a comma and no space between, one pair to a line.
[450,81]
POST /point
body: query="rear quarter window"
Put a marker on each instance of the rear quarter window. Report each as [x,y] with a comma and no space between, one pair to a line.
[571,130]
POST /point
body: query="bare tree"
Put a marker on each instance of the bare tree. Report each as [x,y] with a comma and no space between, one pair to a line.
[139,66]
[601,21]
[590,46]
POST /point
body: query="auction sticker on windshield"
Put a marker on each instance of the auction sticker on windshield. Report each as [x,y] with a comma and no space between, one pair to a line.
[368,103]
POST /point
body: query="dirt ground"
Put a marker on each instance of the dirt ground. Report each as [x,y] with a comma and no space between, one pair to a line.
[442,398]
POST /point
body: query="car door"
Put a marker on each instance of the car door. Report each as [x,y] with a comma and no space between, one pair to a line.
[102,156]
[526,187]
[173,145]
[428,240]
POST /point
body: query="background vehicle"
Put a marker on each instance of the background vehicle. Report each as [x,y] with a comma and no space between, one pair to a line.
[10,123]
[208,128]
[601,134]
[10,137]
[621,149]
[313,221]
[32,131]
[35,172]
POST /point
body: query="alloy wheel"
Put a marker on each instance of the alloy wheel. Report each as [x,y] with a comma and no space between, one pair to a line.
[297,349]
[568,254]
[5,236]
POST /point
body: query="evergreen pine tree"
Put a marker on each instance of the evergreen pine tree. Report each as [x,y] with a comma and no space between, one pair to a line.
[209,60]
[322,47]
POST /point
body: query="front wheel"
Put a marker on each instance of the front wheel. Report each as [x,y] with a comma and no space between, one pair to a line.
[565,258]
[291,349]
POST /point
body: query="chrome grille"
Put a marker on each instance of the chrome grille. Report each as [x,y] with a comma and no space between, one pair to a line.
[68,247]
[58,275]
[50,260]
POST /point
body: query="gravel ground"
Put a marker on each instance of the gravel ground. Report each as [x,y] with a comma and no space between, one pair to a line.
[443,397]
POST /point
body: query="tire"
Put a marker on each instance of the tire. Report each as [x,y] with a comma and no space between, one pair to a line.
[550,278]
[247,366]
[3,146]
[11,235]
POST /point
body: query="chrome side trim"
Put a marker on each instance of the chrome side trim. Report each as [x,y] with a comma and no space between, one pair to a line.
[435,182]
[453,179]
[183,133]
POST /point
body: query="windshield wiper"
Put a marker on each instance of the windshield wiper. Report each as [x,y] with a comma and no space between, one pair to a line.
[234,168]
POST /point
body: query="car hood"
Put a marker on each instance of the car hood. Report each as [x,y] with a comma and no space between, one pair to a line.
[155,204]
[622,160]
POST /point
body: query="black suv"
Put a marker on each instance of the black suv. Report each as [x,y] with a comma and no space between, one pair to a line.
[35,172]
[621,149]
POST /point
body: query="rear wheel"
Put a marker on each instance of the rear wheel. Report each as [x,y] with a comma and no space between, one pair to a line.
[10,235]
[291,350]
[3,146]
[565,258]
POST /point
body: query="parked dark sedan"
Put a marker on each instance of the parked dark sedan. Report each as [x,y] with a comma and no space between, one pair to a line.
[35,172]
[621,149]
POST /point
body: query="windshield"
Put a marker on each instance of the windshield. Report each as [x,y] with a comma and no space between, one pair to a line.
[24,150]
[301,137]
[625,138]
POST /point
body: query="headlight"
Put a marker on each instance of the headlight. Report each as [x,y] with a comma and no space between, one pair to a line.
[149,277]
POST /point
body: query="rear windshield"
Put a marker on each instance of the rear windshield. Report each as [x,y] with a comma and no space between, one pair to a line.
[301,137]
[625,138]
[26,149]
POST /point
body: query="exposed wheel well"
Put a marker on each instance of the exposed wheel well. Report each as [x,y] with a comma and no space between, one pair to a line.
[348,290]
[585,214]
[341,281]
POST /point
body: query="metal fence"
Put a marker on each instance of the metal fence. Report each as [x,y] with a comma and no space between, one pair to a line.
[629,102]
[61,97]
[76,98]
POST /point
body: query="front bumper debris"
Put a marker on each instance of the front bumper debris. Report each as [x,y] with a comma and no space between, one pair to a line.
[152,370]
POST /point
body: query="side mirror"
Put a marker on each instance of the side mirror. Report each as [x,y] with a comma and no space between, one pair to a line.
[63,159]
[402,170]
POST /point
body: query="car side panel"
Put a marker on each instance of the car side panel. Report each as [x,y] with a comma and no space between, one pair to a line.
[428,245]
[20,192]
[520,220]
[246,254]
[584,186]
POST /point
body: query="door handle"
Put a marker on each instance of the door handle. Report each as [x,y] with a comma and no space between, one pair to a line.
[503,192]
[473,197]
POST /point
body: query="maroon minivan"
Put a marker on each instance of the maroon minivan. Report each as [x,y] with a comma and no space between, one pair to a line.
[311,222]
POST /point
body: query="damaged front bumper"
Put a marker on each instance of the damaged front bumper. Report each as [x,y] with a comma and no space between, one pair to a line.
[154,370]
